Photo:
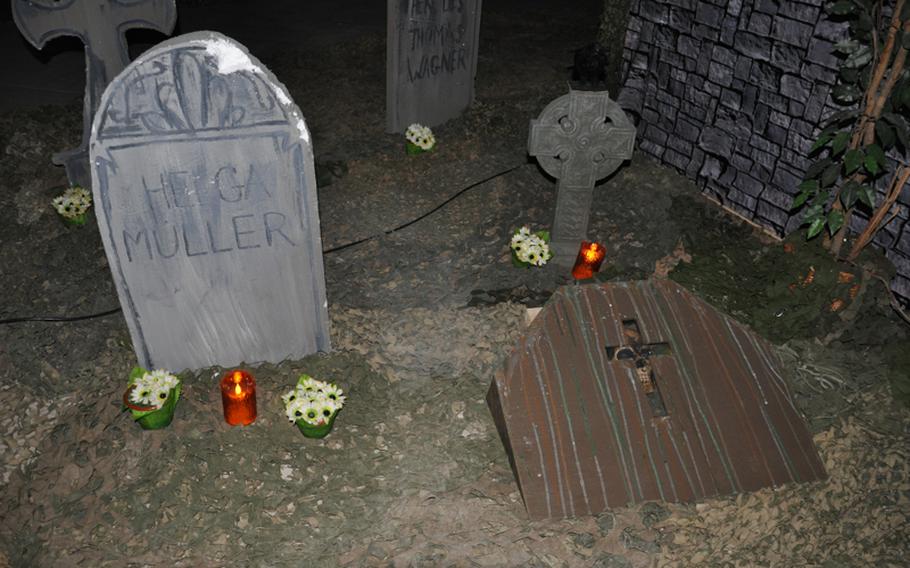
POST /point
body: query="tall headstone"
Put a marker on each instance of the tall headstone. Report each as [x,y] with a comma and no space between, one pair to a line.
[431,60]
[101,25]
[202,169]
[579,138]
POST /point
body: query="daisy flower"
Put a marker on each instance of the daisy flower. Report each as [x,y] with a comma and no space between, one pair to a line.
[315,402]
[74,202]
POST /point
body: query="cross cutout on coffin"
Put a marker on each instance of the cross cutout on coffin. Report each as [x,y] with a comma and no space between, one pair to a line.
[638,355]
[579,138]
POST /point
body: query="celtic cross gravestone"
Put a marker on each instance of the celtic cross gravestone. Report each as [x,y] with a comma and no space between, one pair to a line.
[206,202]
[579,138]
[101,25]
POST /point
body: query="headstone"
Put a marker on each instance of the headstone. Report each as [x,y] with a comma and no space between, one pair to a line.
[431,60]
[579,138]
[206,201]
[625,392]
[101,25]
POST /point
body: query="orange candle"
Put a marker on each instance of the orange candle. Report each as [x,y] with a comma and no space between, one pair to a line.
[238,395]
[590,257]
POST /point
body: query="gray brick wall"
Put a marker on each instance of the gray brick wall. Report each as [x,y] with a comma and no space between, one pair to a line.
[732,93]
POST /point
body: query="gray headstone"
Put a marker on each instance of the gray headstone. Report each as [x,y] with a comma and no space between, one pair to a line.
[431,60]
[101,25]
[579,138]
[206,200]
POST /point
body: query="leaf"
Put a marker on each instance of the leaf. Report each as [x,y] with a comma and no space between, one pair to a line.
[859,58]
[799,200]
[842,117]
[871,165]
[876,152]
[848,193]
[815,228]
[867,196]
[820,143]
[813,213]
[840,142]
[862,26]
[853,159]
[846,46]
[900,127]
[819,200]
[885,134]
[842,8]
[808,186]
[835,220]
[830,175]
[816,169]
[845,94]
[135,373]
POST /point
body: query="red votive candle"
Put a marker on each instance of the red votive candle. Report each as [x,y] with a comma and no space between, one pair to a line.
[590,257]
[238,395]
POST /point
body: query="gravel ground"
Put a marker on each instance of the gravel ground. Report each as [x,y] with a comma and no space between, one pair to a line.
[414,473]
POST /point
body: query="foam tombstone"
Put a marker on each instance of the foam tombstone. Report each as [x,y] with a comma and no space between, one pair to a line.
[203,178]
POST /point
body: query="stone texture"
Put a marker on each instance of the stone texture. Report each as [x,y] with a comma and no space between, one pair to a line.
[739,90]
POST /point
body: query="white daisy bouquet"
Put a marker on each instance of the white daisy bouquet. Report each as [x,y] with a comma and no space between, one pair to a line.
[151,397]
[313,405]
[420,139]
[530,249]
[73,204]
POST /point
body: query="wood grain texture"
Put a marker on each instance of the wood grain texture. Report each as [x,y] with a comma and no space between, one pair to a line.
[206,200]
[580,430]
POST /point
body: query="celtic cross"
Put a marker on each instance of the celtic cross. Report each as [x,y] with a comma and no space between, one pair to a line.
[579,138]
[100,24]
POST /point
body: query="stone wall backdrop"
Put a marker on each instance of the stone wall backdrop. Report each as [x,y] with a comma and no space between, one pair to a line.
[732,93]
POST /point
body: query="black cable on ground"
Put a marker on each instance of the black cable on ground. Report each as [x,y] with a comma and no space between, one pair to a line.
[452,198]
[456,195]
[60,318]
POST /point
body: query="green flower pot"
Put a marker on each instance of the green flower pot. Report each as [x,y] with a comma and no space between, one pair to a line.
[413,149]
[77,220]
[153,419]
[311,431]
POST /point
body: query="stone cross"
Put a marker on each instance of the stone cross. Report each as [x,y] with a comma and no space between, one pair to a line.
[101,25]
[639,355]
[579,138]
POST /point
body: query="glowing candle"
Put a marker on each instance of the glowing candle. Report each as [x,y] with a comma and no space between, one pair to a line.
[590,256]
[238,395]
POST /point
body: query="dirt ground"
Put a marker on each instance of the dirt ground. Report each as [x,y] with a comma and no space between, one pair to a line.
[414,473]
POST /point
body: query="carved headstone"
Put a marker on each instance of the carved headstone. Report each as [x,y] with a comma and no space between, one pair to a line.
[579,138]
[431,60]
[101,25]
[206,201]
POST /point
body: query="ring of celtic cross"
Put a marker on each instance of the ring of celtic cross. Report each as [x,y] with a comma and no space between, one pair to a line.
[585,136]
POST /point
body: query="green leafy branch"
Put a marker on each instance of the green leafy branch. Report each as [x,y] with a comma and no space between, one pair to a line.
[851,149]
